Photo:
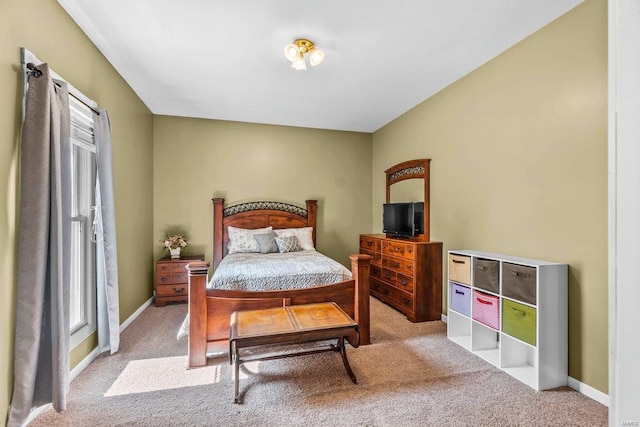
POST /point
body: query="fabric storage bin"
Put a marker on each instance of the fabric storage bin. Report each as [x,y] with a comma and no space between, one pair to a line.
[460,299]
[486,309]
[487,275]
[519,321]
[460,268]
[519,282]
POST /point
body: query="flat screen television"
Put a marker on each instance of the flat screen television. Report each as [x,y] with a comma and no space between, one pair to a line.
[403,219]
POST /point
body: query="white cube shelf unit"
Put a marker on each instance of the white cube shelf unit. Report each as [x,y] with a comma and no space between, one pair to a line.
[511,312]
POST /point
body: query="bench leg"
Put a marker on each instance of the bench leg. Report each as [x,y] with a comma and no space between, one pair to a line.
[236,373]
[343,353]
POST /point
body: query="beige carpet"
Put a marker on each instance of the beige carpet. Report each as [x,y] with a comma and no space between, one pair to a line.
[411,376]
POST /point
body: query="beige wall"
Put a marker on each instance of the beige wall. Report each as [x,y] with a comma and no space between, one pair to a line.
[519,165]
[43,27]
[195,160]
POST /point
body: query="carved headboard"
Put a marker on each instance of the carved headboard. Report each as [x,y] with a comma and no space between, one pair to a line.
[258,215]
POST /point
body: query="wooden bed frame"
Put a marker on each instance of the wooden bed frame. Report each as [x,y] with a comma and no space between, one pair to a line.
[210,309]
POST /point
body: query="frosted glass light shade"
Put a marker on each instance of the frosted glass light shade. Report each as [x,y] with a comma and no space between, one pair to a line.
[316,57]
[291,52]
[299,64]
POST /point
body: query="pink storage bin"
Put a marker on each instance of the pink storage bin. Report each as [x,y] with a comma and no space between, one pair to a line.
[486,309]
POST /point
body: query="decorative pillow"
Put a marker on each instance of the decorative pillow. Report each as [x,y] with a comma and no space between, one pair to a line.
[288,244]
[267,242]
[242,240]
[304,235]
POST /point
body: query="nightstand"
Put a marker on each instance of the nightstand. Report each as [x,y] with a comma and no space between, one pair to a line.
[172,279]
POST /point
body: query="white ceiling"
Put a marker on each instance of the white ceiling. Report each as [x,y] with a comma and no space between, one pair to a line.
[224,59]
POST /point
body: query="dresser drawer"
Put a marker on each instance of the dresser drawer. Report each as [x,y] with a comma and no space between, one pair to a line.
[400,265]
[370,243]
[376,257]
[171,290]
[405,283]
[376,271]
[460,269]
[399,299]
[396,249]
[388,276]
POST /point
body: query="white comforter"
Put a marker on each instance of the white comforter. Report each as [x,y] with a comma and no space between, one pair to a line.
[293,270]
[256,272]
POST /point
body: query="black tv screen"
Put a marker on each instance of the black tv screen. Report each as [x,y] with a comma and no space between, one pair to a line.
[402,219]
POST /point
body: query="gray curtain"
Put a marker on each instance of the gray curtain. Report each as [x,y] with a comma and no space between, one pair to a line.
[41,361]
[106,253]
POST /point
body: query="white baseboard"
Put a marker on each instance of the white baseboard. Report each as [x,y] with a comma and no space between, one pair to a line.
[578,386]
[589,391]
[444,318]
[83,364]
[135,314]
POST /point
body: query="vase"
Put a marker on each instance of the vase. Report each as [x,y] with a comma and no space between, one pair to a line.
[175,253]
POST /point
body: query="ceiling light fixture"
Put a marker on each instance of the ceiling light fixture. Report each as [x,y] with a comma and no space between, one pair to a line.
[296,51]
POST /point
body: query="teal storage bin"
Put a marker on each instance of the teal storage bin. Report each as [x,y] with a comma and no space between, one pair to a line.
[519,321]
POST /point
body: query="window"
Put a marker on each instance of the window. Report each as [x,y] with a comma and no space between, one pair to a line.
[83,265]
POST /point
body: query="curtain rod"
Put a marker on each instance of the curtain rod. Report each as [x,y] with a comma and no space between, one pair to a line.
[32,69]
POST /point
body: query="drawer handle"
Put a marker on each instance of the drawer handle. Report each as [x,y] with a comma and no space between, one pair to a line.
[397,249]
[164,279]
[388,275]
[409,267]
[404,282]
[176,290]
[518,274]
[406,301]
[395,264]
[369,244]
[457,261]
[481,301]
[385,291]
[482,267]
[519,312]
[459,292]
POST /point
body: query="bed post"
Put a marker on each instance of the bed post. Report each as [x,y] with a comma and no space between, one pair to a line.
[218,239]
[312,211]
[360,265]
[197,313]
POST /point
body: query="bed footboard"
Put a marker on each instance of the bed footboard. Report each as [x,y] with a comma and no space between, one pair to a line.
[210,310]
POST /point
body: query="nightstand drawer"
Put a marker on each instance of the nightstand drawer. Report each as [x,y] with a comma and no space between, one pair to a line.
[163,268]
[164,279]
[172,279]
[171,290]
[179,267]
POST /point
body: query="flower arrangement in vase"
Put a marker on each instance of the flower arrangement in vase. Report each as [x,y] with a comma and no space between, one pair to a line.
[175,243]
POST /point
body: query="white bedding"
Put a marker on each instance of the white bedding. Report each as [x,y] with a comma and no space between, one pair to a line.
[292,270]
[255,272]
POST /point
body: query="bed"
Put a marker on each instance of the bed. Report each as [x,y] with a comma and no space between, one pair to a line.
[210,308]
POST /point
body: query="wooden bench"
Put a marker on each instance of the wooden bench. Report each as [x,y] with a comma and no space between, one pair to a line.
[288,325]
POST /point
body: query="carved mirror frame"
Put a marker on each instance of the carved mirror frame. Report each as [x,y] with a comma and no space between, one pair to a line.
[412,169]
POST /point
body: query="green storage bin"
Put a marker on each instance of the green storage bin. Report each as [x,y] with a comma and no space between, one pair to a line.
[519,321]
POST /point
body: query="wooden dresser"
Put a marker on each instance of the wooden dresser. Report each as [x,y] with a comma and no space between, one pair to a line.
[171,279]
[406,274]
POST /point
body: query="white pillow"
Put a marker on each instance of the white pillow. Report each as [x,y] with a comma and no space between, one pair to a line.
[241,240]
[303,234]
